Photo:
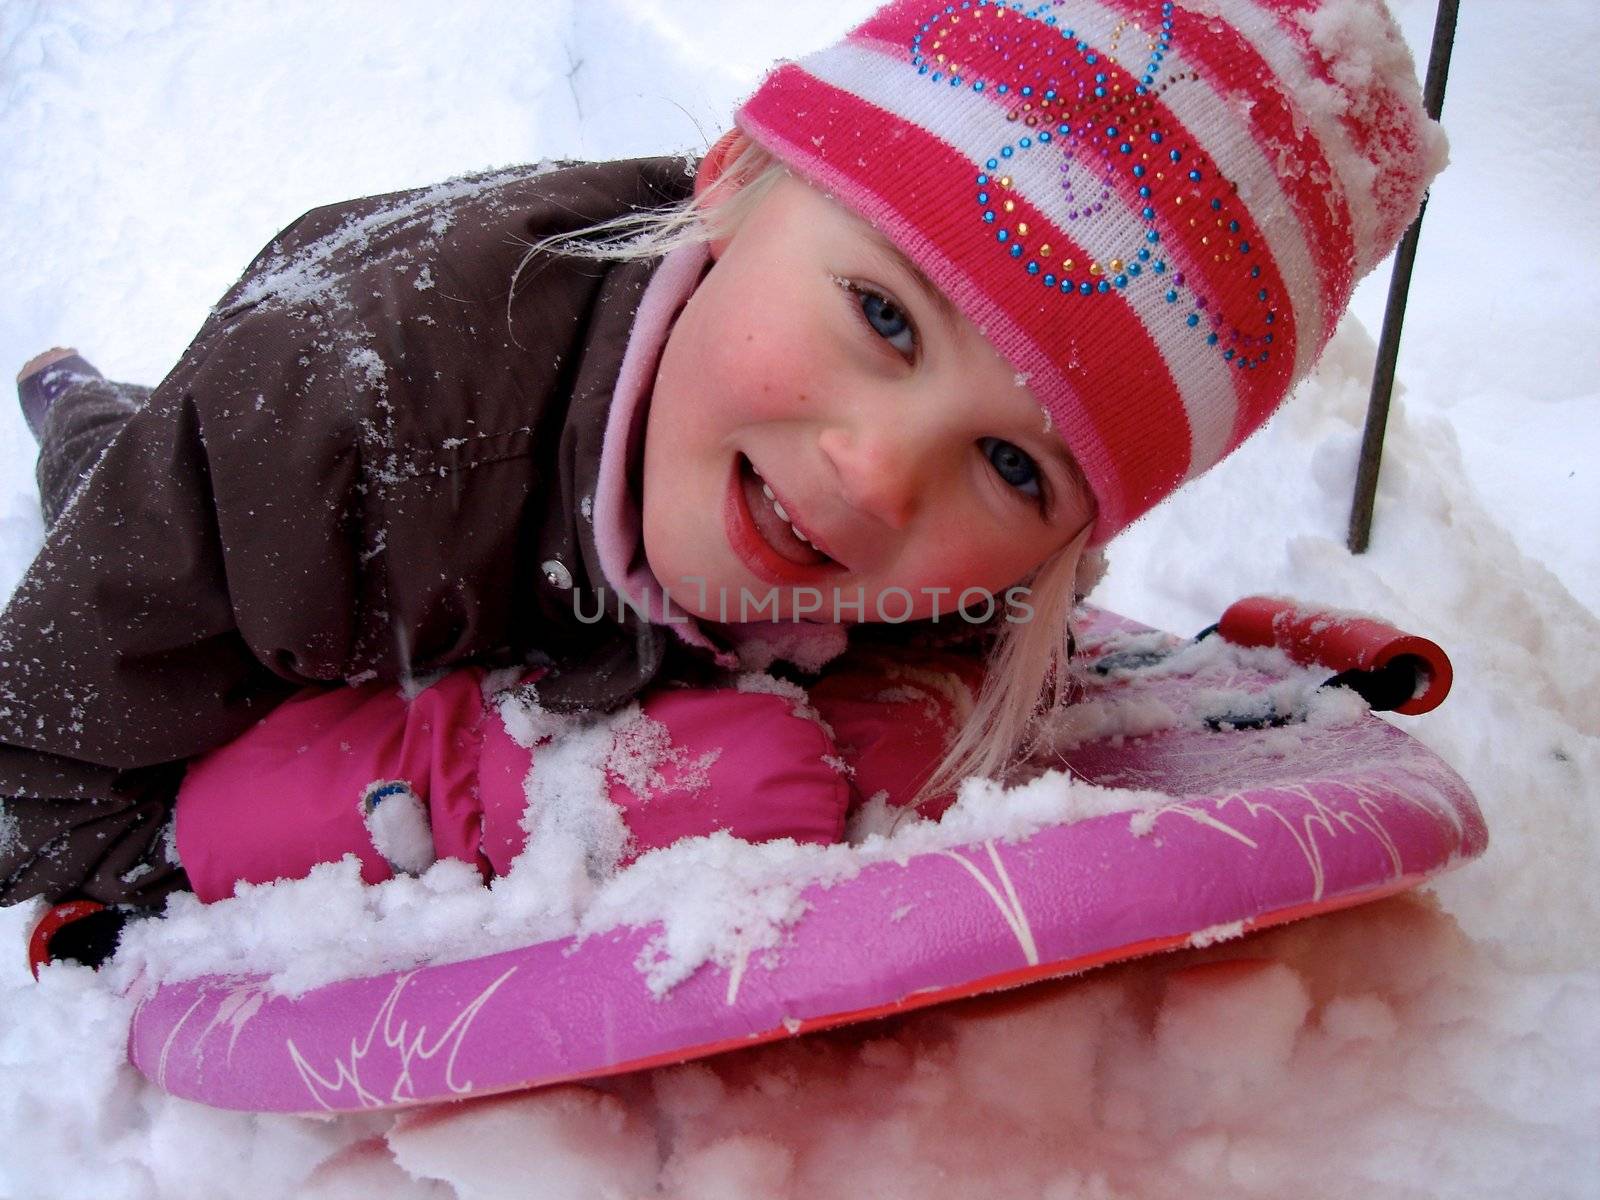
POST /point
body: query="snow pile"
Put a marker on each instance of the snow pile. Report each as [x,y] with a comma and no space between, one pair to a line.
[1441,1045]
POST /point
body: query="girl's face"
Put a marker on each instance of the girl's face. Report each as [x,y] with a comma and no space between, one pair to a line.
[824,423]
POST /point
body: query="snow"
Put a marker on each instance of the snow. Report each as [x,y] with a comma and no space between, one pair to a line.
[1441,1044]
[643,748]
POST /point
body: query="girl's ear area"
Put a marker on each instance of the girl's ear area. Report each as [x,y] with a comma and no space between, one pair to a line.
[716,160]
[726,149]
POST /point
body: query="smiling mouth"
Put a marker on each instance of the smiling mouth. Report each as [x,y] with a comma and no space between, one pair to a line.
[765,534]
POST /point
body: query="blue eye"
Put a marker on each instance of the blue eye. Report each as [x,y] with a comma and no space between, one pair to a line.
[1013,465]
[888,320]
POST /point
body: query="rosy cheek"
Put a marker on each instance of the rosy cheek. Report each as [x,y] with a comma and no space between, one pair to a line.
[962,563]
[950,566]
[776,376]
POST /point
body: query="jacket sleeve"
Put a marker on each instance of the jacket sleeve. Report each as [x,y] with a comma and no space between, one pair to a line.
[123,644]
[347,476]
[368,771]
[293,505]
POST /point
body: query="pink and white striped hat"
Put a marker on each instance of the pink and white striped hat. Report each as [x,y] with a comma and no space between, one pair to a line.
[1155,211]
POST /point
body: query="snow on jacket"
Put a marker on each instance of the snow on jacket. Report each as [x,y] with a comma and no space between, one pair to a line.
[401,781]
[363,468]
[359,466]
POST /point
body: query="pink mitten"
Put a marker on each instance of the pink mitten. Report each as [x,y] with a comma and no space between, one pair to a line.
[336,771]
[400,782]
[893,718]
[694,761]
[756,764]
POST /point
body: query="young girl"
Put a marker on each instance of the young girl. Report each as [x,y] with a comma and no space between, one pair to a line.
[958,299]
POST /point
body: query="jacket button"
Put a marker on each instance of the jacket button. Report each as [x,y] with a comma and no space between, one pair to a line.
[556,573]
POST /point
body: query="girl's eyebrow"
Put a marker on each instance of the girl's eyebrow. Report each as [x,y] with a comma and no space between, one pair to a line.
[1077,484]
[934,296]
[1069,467]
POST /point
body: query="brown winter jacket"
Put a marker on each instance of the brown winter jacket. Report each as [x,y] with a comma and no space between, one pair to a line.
[369,464]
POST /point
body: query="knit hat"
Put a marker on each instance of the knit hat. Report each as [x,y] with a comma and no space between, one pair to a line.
[1156,212]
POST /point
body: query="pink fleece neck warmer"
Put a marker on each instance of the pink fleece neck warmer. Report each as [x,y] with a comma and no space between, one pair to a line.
[615,510]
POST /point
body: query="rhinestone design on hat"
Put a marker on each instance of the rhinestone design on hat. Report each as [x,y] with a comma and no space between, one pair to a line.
[1066,94]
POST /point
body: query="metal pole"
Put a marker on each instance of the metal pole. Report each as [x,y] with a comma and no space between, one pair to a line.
[1444,34]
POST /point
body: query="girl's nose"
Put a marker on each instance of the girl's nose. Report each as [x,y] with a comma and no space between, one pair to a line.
[877,471]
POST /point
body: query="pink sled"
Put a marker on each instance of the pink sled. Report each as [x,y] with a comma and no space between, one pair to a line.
[1250,839]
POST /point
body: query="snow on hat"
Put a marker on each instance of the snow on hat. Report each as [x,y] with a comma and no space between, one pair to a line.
[1155,211]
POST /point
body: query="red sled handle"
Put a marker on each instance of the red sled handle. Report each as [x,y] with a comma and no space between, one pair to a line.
[50,924]
[1391,668]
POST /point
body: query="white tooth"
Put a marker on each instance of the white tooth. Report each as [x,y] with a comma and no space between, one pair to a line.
[778,508]
[766,491]
[801,536]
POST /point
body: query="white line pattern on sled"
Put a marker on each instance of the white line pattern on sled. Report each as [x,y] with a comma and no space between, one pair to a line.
[1304,823]
[388,1032]
[1009,905]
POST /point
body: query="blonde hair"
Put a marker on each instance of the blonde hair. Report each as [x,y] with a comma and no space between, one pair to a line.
[1027,679]
[1027,672]
[647,233]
